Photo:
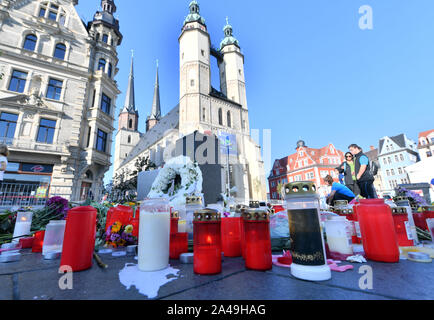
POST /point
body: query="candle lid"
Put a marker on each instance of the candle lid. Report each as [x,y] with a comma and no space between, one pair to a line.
[344,211]
[193,200]
[174,215]
[300,189]
[240,208]
[207,215]
[428,208]
[254,204]
[256,215]
[341,203]
[399,210]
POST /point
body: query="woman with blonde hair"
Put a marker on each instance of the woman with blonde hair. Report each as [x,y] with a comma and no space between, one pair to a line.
[4,154]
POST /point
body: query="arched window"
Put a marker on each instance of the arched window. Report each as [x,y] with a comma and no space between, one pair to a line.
[129,139]
[101,64]
[30,42]
[97,37]
[130,124]
[105,38]
[220,117]
[89,175]
[60,51]
[110,70]
[229,119]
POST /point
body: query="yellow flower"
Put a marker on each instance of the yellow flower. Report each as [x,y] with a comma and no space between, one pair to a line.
[129,229]
[116,227]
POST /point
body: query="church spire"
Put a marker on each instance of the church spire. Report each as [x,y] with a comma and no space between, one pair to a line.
[156,109]
[130,101]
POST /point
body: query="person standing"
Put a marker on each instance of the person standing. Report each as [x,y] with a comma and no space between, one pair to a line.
[4,154]
[339,191]
[364,179]
[348,169]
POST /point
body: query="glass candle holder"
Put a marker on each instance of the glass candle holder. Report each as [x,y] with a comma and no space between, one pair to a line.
[258,240]
[38,242]
[306,234]
[339,233]
[231,236]
[402,227]
[207,242]
[23,225]
[54,234]
[79,238]
[174,219]
[178,244]
[154,235]
[379,238]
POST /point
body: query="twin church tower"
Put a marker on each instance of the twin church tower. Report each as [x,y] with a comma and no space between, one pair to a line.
[201,108]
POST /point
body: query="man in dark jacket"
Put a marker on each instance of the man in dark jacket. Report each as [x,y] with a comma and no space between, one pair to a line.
[363,177]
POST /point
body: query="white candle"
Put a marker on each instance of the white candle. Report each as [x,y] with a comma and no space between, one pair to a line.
[22,225]
[154,240]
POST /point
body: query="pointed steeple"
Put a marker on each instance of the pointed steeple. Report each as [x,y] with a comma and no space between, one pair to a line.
[156,109]
[130,100]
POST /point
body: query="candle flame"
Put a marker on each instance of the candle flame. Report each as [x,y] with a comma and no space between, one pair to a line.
[23,219]
[209,240]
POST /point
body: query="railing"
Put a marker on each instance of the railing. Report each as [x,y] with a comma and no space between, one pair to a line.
[21,195]
[31,145]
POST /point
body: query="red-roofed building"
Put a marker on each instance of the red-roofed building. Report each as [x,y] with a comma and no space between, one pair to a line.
[426,144]
[307,164]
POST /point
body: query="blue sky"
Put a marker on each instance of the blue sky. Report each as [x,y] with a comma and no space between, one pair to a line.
[311,72]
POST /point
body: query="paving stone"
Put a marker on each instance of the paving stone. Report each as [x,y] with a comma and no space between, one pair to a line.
[6,288]
[251,285]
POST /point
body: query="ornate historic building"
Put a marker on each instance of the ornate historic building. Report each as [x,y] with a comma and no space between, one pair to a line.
[222,113]
[58,94]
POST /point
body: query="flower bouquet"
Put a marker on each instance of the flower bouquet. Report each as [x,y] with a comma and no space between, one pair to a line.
[118,235]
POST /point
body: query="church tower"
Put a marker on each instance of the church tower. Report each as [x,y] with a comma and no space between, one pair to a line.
[128,135]
[155,116]
[195,73]
[234,85]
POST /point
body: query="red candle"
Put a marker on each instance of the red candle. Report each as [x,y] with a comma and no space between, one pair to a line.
[174,218]
[258,240]
[402,227]
[231,236]
[38,242]
[26,243]
[378,231]
[122,214]
[207,242]
[79,239]
[178,244]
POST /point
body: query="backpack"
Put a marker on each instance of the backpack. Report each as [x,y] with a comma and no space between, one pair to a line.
[373,170]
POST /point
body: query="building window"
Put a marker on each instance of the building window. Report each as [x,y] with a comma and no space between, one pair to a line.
[129,139]
[229,119]
[97,37]
[203,114]
[101,141]
[60,51]
[388,173]
[54,89]
[46,131]
[401,157]
[101,64]
[30,42]
[105,103]
[52,14]
[220,117]
[42,12]
[18,81]
[192,83]
[130,123]
[389,160]
[306,162]
[384,160]
[429,154]
[399,170]
[88,137]
[396,158]
[110,70]
[8,124]
[105,38]
[392,172]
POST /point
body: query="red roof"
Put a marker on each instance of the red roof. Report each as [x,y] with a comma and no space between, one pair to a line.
[425,133]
